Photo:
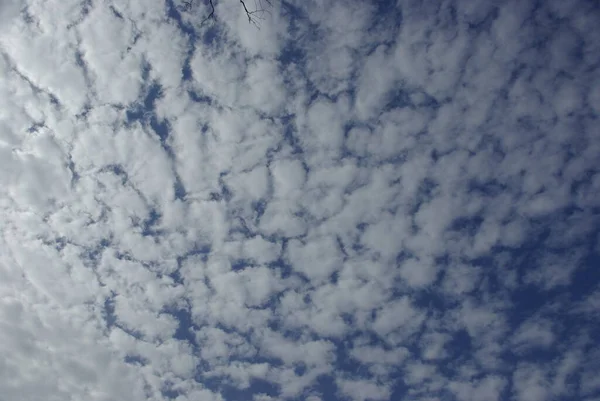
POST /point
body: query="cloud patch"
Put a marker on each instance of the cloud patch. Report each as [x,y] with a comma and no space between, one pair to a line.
[354,202]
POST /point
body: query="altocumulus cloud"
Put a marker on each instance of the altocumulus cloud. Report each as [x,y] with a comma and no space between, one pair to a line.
[357,201]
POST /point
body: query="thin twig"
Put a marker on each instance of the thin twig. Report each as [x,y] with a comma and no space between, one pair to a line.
[246,9]
[212,12]
[253,16]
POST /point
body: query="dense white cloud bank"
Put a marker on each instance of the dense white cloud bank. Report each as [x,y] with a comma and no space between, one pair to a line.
[357,201]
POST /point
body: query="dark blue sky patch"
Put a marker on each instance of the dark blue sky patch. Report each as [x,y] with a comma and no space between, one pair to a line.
[344,360]
[80,61]
[225,193]
[54,100]
[259,209]
[147,113]
[176,274]
[241,264]
[326,387]
[186,329]
[117,170]
[135,360]
[174,13]
[201,249]
[161,128]
[58,243]
[468,225]
[398,99]
[460,346]
[292,54]
[149,226]
[144,110]
[489,188]
[212,383]
[109,313]
[282,266]
[387,19]
[169,392]
[211,36]
[586,278]
[429,299]
[199,97]
[179,189]
[301,33]
[291,135]
[278,325]
[484,24]
[333,278]
[35,127]
[529,299]
[399,390]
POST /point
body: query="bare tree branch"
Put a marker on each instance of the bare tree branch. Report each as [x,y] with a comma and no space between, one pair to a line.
[254,16]
[258,12]
[248,13]
[212,12]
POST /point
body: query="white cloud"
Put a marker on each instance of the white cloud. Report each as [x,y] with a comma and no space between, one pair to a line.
[115,72]
[433,345]
[354,202]
[418,273]
[362,390]
[534,333]
[530,383]
[317,259]
[398,315]
[9,10]
[488,388]
[288,178]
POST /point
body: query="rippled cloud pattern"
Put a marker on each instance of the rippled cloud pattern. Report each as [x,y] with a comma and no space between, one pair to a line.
[353,201]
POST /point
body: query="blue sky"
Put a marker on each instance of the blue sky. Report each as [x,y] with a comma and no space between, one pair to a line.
[351,201]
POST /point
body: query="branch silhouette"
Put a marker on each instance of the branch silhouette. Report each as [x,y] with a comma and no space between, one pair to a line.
[254,15]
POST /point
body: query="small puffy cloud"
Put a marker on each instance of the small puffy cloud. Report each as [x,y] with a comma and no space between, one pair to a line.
[288,178]
[317,259]
[530,383]
[418,273]
[534,333]
[363,390]
[488,388]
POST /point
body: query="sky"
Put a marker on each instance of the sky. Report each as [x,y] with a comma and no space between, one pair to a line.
[346,201]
